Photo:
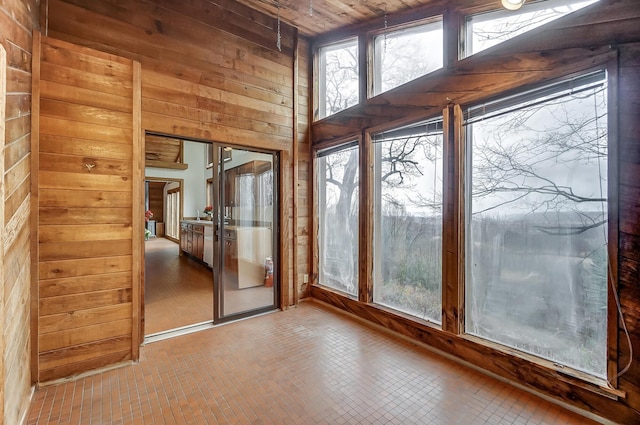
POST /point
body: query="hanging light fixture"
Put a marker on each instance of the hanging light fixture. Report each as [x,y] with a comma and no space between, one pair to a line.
[512,4]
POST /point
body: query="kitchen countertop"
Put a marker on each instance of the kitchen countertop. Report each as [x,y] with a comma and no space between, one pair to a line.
[226,226]
[202,222]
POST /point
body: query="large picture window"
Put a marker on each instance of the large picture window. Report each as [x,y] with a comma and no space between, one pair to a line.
[337,192]
[338,77]
[536,213]
[406,54]
[408,220]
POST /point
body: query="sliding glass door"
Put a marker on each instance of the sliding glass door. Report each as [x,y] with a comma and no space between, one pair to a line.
[246,242]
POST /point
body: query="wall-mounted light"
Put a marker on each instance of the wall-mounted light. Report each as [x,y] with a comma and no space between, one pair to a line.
[512,4]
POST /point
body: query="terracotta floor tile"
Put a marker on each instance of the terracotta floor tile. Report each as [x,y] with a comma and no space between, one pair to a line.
[307,365]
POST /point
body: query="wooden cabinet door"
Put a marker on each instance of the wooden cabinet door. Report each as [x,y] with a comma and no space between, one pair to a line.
[230,187]
[230,258]
[198,242]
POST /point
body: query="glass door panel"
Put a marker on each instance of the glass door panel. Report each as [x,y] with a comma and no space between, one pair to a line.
[247,194]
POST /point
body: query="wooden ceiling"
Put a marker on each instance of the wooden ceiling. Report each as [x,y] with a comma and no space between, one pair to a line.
[318,17]
[163,149]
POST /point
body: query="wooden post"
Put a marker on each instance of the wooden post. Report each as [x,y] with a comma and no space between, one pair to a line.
[453,225]
[365,234]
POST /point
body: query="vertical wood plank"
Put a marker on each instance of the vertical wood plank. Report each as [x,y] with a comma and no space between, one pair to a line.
[3,97]
[295,159]
[363,83]
[35,165]
[452,24]
[285,229]
[313,234]
[137,241]
[365,236]
[453,222]
[613,225]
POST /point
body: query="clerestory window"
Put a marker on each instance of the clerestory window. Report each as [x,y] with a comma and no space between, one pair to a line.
[405,54]
[486,30]
[338,77]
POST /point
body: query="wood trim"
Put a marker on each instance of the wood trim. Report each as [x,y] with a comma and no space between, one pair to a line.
[295,159]
[451,33]
[314,221]
[363,74]
[137,273]
[613,169]
[365,213]
[453,222]
[285,196]
[164,164]
[34,220]
[3,99]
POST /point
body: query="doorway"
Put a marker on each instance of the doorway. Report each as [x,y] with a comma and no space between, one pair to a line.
[212,253]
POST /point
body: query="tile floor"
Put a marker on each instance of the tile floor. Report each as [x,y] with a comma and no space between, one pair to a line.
[307,365]
[178,290]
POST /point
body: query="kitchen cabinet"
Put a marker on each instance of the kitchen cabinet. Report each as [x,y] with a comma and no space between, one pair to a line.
[245,252]
[192,239]
[230,187]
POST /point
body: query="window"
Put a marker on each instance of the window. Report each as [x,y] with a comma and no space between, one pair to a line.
[536,253]
[173,213]
[338,218]
[408,220]
[338,77]
[209,194]
[406,54]
[488,29]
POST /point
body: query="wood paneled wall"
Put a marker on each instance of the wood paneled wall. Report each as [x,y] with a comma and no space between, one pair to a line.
[605,34]
[17,19]
[89,201]
[210,71]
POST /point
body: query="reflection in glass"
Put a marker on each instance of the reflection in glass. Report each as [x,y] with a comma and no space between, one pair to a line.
[338,219]
[536,257]
[249,259]
[408,220]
